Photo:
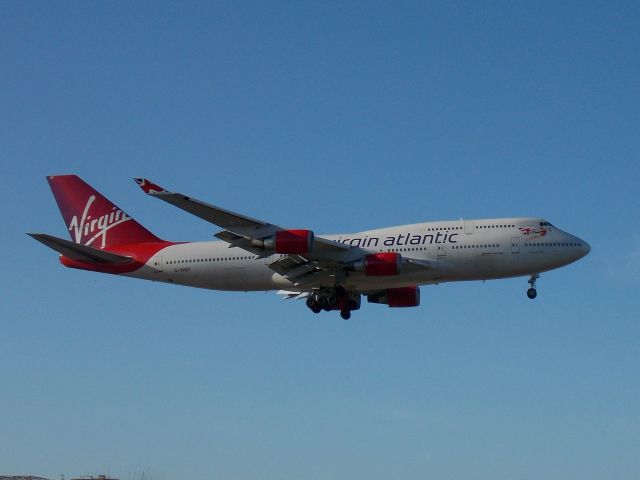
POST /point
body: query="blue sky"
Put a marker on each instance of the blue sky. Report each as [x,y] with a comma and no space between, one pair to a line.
[337,117]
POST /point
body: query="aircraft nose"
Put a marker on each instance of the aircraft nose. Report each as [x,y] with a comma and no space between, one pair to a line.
[583,247]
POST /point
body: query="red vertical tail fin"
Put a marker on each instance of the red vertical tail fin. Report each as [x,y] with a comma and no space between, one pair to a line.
[91,218]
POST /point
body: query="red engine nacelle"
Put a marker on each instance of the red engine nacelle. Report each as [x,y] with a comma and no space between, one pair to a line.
[403,297]
[290,241]
[398,297]
[382,264]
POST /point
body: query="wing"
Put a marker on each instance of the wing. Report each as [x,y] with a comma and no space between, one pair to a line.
[234,222]
[326,257]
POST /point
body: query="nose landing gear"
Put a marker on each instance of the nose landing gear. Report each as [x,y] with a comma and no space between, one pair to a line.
[532,292]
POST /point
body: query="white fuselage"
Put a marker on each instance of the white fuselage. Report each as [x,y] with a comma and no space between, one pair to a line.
[457,250]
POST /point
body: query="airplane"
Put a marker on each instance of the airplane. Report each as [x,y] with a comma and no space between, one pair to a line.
[331,272]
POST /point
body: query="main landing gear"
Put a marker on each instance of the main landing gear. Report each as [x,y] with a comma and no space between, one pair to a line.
[314,305]
[532,292]
[334,299]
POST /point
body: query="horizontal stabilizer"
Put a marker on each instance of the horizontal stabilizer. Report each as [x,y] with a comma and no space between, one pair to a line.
[79,252]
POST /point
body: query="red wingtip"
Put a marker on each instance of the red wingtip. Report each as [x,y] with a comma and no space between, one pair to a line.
[148,186]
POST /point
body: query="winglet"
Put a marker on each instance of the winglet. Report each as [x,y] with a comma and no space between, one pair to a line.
[149,187]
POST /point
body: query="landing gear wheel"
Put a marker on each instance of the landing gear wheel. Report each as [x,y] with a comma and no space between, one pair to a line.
[532,293]
[345,314]
[313,305]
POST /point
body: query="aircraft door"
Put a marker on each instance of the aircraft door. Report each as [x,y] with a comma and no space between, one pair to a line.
[469,226]
[156,263]
[515,245]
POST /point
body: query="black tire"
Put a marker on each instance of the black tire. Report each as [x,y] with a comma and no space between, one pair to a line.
[532,293]
[345,314]
[313,305]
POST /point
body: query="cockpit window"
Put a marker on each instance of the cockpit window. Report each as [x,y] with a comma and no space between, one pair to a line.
[545,224]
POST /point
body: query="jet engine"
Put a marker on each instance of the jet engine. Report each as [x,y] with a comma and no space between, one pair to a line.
[379,264]
[397,297]
[288,241]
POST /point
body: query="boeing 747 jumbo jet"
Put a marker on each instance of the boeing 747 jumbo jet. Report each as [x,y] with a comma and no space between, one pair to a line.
[331,272]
